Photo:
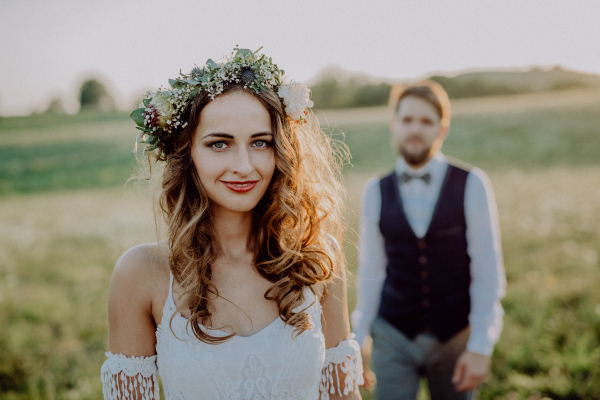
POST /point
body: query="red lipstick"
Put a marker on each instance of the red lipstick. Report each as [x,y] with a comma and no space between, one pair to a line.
[239,186]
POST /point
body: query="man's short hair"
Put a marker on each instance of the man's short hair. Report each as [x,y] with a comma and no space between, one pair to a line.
[428,90]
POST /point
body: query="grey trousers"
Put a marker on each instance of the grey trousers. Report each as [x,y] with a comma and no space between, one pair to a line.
[399,363]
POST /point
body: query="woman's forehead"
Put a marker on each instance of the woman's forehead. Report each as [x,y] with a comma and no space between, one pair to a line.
[236,113]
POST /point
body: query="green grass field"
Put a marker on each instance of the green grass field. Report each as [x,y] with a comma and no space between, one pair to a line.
[66,216]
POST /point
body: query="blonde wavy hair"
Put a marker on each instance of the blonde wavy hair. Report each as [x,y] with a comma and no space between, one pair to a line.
[297,224]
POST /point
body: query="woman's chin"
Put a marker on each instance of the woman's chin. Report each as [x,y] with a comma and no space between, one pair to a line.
[235,207]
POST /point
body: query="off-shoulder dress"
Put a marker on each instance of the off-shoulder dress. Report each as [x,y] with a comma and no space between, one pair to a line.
[270,364]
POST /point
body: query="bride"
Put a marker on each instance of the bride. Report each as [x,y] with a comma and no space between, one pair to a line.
[246,299]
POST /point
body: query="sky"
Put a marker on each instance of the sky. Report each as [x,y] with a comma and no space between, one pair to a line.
[49,47]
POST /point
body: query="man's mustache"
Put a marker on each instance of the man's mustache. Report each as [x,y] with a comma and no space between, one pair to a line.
[414,137]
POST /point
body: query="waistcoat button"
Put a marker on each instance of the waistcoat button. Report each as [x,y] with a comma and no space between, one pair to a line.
[421,245]
[425,289]
[424,274]
[422,260]
[425,303]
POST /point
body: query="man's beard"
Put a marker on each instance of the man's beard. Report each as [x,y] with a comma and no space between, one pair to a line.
[415,158]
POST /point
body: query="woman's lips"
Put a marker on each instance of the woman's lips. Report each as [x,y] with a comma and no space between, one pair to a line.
[240,187]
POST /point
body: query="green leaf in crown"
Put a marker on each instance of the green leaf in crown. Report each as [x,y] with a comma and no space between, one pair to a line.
[138,117]
[212,64]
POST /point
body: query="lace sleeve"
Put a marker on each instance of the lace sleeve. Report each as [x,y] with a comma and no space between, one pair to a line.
[342,371]
[125,378]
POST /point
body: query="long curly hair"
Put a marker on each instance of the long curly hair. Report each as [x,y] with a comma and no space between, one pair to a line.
[297,224]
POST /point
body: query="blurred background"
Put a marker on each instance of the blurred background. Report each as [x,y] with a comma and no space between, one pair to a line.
[524,80]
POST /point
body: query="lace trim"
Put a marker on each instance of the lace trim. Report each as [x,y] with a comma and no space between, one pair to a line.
[125,378]
[341,362]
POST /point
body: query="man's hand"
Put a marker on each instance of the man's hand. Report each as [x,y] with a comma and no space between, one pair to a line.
[370,380]
[368,375]
[470,370]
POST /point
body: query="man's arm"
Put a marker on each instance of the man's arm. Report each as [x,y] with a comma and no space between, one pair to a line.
[371,272]
[488,281]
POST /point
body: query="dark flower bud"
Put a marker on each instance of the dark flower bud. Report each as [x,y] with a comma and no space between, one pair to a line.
[247,76]
[196,72]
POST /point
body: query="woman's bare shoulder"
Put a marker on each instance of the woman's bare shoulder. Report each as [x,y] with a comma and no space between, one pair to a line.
[143,256]
[137,290]
[141,268]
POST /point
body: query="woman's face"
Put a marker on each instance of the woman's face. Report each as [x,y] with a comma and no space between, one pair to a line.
[233,151]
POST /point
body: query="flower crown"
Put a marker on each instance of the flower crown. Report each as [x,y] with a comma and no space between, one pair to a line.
[162,115]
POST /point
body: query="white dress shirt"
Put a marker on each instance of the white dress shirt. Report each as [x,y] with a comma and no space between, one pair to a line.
[488,281]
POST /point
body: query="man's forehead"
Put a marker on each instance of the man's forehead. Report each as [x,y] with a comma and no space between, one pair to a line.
[411,105]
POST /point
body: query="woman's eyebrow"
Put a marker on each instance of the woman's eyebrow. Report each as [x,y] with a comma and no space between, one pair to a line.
[229,136]
[262,134]
[218,134]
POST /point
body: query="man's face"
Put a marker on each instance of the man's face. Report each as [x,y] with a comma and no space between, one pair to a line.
[417,131]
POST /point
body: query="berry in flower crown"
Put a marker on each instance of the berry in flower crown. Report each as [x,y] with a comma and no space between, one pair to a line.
[162,115]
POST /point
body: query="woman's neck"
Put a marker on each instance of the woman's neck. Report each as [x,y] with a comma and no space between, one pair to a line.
[233,230]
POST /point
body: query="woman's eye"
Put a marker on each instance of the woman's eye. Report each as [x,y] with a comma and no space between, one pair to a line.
[218,145]
[261,143]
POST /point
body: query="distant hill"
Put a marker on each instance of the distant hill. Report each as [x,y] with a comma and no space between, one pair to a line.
[334,87]
[491,83]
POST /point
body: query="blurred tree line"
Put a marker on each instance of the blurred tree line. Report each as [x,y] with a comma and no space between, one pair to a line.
[93,96]
[333,93]
[336,88]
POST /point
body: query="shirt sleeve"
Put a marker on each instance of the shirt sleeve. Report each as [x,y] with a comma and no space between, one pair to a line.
[488,281]
[372,262]
[128,378]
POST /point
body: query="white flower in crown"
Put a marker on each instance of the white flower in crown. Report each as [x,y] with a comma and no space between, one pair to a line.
[295,97]
[160,111]
[266,71]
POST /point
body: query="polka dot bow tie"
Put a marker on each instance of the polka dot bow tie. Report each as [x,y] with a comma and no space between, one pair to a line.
[405,178]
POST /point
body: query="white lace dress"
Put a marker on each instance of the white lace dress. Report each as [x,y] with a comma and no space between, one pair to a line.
[270,364]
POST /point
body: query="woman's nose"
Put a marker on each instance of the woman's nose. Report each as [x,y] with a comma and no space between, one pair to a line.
[243,163]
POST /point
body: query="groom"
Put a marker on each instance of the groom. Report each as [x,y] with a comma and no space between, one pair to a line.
[430,274]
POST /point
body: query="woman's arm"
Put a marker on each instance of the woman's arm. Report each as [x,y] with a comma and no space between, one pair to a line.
[342,371]
[131,329]
[130,371]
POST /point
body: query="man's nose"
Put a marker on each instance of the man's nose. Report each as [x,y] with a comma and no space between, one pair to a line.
[414,128]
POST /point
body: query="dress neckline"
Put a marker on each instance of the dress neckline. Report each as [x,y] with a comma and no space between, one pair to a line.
[223,333]
[170,304]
